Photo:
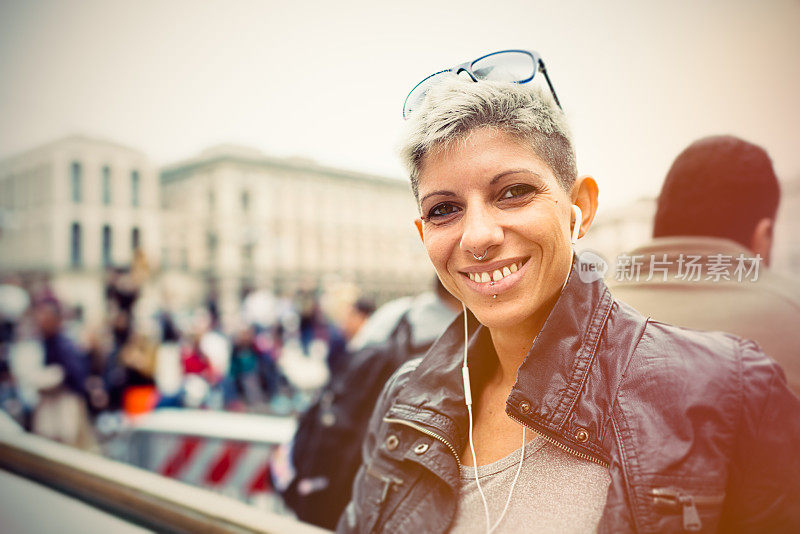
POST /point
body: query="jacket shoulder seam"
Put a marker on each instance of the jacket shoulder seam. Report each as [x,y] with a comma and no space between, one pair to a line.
[630,357]
[398,380]
[591,344]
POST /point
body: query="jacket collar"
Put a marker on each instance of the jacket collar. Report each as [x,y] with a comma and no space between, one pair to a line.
[549,379]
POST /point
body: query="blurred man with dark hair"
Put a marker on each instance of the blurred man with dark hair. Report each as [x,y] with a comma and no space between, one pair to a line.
[356,316]
[706,267]
[721,187]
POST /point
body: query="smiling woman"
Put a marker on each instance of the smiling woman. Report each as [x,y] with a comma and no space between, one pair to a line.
[550,406]
[518,218]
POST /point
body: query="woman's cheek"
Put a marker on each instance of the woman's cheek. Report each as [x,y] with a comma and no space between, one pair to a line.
[440,252]
[437,248]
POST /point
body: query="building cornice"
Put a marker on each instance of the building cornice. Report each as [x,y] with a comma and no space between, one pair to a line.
[65,141]
[180,170]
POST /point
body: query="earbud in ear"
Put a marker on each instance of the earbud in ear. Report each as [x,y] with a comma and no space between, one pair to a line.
[578,221]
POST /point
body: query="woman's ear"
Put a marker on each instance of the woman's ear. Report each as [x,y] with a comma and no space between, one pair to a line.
[418,224]
[585,195]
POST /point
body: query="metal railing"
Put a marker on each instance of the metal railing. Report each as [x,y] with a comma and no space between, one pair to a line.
[137,496]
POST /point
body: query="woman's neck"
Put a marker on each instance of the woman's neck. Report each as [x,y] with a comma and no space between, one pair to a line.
[513,344]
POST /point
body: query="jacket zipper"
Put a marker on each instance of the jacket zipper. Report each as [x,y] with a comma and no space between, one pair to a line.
[387,480]
[426,432]
[389,483]
[581,455]
[685,503]
[558,444]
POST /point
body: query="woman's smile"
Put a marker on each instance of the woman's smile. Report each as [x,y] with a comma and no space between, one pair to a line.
[496,277]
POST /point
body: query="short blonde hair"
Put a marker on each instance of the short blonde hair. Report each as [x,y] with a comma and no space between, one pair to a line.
[455,107]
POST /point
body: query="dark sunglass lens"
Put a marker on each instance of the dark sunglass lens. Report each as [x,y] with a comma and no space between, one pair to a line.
[505,67]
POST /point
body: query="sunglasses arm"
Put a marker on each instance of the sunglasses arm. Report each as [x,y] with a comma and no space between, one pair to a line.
[543,70]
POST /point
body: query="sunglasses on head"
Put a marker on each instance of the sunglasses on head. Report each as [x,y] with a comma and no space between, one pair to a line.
[516,66]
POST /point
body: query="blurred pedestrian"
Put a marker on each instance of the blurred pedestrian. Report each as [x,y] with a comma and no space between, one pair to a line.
[97,351]
[61,412]
[317,330]
[14,301]
[244,368]
[318,488]
[358,314]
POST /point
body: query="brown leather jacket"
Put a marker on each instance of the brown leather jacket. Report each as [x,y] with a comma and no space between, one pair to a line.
[698,430]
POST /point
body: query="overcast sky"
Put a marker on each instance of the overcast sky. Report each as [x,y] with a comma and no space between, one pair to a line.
[327,80]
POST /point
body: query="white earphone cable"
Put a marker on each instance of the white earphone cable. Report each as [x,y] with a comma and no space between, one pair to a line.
[468,395]
[468,401]
[513,484]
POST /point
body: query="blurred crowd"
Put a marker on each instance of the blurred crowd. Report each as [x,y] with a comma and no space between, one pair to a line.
[73,382]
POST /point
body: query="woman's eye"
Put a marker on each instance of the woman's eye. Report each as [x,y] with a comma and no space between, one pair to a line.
[441,211]
[516,191]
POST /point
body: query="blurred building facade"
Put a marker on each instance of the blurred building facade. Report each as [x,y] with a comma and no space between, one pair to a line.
[73,208]
[237,220]
[624,228]
[213,227]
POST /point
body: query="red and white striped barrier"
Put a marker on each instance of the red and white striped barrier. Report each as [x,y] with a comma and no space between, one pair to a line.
[221,451]
[236,468]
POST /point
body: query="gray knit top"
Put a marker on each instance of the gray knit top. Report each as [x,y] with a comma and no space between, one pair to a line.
[555,492]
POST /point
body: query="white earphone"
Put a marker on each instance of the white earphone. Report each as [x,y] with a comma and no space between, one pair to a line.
[578,221]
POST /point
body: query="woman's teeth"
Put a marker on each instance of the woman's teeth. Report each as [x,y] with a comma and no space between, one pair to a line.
[496,275]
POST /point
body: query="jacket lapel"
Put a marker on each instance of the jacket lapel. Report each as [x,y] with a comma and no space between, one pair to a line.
[554,371]
[550,379]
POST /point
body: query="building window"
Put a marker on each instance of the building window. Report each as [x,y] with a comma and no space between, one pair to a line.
[211,245]
[135,188]
[136,242]
[248,255]
[245,201]
[106,246]
[76,176]
[75,256]
[106,185]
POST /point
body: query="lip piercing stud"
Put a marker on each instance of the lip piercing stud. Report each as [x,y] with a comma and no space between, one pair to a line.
[494,296]
[482,256]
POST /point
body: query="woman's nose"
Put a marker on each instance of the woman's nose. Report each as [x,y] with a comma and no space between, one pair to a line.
[481,232]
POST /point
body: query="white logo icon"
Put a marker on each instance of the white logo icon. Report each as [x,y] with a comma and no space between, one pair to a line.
[591,267]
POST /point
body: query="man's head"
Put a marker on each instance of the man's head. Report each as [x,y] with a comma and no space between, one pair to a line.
[720,186]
